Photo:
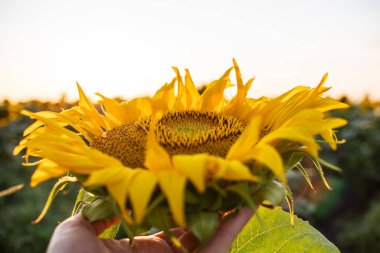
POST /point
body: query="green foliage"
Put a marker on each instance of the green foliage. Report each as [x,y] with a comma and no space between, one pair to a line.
[359,157]
[362,234]
[349,214]
[271,231]
[17,233]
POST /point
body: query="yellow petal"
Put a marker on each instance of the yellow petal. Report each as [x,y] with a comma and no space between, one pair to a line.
[191,91]
[239,80]
[231,170]
[75,120]
[194,167]
[38,123]
[306,116]
[235,170]
[113,110]
[212,97]
[173,184]
[89,109]
[181,102]
[51,124]
[268,156]
[116,180]
[46,170]
[246,140]
[317,90]
[120,188]
[327,104]
[330,137]
[238,105]
[164,99]
[140,192]
[137,108]
[156,157]
[299,135]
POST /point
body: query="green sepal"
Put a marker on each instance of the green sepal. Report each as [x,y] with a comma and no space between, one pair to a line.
[127,227]
[110,232]
[216,204]
[100,209]
[231,201]
[203,225]
[320,171]
[209,199]
[190,197]
[330,166]
[242,189]
[84,197]
[215,186]
[160,218]
[305,175]
[59,186]
[289,201]
[271,195]
[291,159]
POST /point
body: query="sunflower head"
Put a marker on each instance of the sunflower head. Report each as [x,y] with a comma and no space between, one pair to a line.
[181,157]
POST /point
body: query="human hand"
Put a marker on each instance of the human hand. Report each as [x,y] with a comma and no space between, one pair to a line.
[77,235]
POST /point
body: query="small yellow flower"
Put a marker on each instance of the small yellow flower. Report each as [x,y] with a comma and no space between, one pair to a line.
[178,138]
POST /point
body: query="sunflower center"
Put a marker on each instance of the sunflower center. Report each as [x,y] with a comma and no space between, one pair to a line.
[192,132]
[187,132]
[126,143]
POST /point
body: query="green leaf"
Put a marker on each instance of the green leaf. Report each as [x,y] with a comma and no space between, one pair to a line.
[203,224]
[272,232]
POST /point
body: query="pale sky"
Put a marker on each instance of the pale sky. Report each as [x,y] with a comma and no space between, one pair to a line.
[127,48]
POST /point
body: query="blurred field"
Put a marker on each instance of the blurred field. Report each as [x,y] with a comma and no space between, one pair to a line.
[348,216]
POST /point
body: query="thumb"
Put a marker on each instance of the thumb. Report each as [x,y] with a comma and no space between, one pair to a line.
[100,226]
[222,240]
[71,233]
[78,222]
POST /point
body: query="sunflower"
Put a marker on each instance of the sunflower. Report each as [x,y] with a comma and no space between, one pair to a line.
[182,153]
[8,112]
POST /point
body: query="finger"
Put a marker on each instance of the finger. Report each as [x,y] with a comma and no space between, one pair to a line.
[76,222]
[189,241]
[222,240]
[184,236]
[141,244]
[74,230]
[80,223]
[176,232]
